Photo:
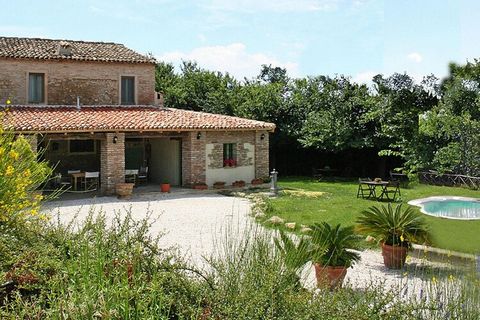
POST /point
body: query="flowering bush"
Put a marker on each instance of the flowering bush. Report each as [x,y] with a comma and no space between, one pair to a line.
[229,163]
[20,175]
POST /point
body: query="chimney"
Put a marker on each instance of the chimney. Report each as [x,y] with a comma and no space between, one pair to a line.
[78,103]
[158,100]
[64,49]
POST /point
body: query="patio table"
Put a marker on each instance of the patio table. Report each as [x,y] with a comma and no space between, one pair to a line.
[372,186]
[75,177]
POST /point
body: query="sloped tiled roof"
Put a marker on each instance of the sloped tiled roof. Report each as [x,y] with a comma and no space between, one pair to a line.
[48,49]
[23,118]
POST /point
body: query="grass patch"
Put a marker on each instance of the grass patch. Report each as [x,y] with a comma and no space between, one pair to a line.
[338,203]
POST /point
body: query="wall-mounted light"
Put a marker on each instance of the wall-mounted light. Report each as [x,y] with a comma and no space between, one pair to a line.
[262,136]
[199,135]
[115,139]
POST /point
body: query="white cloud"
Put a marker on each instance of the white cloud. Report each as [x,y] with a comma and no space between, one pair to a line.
[251,6]
[365,77]
[415,56]
[233,58]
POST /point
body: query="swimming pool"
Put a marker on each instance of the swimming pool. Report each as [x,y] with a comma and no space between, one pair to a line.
[449,207]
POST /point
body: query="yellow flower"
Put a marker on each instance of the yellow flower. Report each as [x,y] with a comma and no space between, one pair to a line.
[8,101]
[402,238]
[2,150]
[434,280]
[10,170]
[14,155]
[451,277]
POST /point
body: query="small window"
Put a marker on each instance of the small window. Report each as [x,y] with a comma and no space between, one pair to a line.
[229,155]
[81,146]
[36,87]
[128,90]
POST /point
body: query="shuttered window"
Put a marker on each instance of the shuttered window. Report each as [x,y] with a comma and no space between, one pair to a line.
[229,155]
[128,90]
[36,87]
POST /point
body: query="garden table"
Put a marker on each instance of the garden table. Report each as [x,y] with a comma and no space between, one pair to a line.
[372,186]
[75,177]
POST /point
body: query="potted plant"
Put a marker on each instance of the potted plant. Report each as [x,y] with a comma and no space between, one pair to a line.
[229,163]
[219,185]
[331,253]
[295,255]
[257,181]
[165,187]
[124,190]
[239,184]
[395,229]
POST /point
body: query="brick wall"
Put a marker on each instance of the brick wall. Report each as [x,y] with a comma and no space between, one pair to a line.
[95,82]
[238,138]
[112,162]
[193,158]
[261,154]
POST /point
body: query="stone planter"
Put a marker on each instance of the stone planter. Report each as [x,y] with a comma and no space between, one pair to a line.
[238,184]
[394,256]
[329,277]
[124,190]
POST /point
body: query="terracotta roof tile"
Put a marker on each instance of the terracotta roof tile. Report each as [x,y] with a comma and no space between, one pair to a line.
[122,118]
[47,49]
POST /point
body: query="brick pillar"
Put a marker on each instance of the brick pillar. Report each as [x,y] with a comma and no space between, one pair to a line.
[193,158]
[112,162]
[261,154]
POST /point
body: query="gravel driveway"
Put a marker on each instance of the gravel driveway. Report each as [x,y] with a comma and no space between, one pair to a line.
[194,222]
[191,222]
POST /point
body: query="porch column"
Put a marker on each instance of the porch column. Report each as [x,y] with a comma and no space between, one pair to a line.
[193,157]
[261,154]
[112,162]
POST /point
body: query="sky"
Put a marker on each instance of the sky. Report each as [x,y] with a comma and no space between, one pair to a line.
[357,38]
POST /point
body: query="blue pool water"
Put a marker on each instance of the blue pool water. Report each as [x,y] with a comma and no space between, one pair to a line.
[456,209]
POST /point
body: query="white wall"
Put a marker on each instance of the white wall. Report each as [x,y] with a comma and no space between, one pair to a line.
[230,174]
[165,161]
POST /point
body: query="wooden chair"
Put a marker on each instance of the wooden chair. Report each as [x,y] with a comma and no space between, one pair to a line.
[363,188]
[131,176]
[142,176]
[91,181]
[390,191]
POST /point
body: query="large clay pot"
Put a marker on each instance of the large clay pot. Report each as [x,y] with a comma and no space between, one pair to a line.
[165,187]
[124,190]
[394,256]
[329,277]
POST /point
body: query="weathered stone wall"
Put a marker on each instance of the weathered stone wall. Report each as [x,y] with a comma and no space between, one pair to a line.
[203,155]
[112,162]
[95,83]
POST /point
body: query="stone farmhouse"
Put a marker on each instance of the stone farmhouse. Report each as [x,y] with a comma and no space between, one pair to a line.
[92,107]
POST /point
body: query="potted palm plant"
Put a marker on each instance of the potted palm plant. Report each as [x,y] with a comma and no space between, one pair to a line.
[331,253]
[395,229]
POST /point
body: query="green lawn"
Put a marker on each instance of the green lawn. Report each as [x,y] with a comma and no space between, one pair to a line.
[339,204]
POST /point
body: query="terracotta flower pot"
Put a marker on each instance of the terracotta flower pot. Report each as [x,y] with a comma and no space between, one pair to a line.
[165,187]
[257,181]
[239,184]
[394,256]
[219,185]
[200,186]
[124,190]
[329,277]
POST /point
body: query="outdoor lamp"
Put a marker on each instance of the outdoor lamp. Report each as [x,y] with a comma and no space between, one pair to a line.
[115,139]
[262,136]
[199,135]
